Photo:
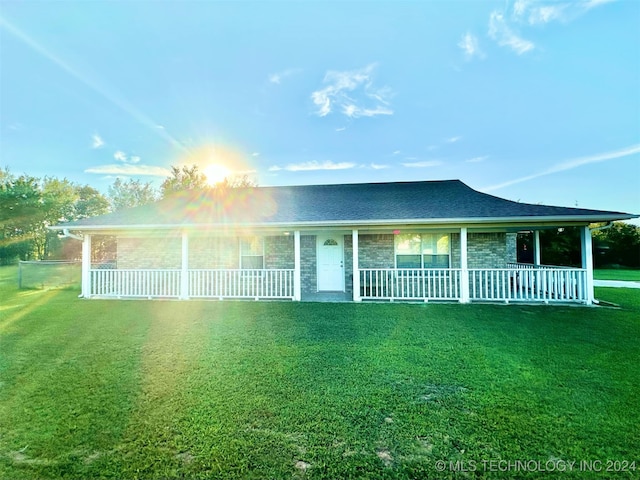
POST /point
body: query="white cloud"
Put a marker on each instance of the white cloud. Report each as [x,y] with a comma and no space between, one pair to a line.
[134,159]
[255,154]
[503,34]
[277,78]
[96,141]
[570,165]
[396,152]
[120,156]
[423,164]
[128,169]
[353,94]
[546,13]
[376,166]
[477,159]
[589,4]
[341,129]
[540,12]
[470,46]
[313,165]
[453,139]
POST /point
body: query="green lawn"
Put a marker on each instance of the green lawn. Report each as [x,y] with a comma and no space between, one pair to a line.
[167,389]
[617,274]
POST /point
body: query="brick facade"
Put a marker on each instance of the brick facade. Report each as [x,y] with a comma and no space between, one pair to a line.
[485,250]
[149,252]
[213,252]
[308,264]
[376,251]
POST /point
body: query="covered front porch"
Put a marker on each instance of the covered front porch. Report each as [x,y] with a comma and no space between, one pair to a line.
[290,265]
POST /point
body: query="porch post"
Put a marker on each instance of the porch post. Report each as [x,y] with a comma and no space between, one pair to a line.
[297,276]
[184,272]
[86,266]
[536,247]
[464,268]
[356,268]
[587,261]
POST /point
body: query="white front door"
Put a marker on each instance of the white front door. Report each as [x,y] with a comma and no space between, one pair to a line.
[330,263]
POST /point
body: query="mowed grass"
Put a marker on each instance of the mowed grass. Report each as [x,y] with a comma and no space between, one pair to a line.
[167,389]
[617,274]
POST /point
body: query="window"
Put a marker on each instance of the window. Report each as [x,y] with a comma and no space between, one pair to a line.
[252,253]
[426,250]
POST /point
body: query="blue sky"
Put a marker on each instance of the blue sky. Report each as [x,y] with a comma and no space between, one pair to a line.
[529,100]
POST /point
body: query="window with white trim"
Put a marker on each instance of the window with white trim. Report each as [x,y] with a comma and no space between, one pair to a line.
[252,253]
[422,250]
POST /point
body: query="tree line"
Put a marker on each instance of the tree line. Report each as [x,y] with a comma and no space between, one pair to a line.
[28,205]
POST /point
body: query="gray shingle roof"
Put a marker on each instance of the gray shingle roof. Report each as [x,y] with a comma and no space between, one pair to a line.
[363,203]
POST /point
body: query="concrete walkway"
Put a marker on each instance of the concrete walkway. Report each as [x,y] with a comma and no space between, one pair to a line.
[616,284]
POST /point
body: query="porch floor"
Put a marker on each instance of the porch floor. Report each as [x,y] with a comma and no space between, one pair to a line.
[327,297]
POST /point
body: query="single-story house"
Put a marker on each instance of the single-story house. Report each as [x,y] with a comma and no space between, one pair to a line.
[418,241]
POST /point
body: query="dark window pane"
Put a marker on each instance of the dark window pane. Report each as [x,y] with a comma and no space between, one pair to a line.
[251,262]
[408,261]
[436,261]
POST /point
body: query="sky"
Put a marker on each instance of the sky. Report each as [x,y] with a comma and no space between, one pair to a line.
[534,101]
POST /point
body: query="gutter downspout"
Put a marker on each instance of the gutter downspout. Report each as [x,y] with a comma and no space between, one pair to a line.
[609,224]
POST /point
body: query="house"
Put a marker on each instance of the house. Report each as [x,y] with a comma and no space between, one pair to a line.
[418,241]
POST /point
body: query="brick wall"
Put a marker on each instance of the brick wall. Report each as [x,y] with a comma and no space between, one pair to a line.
[161,252]
[279,252]
[487,250]
[348,263]
[455,249]
[512,247]
[308,264]
[213,252]
[376,251]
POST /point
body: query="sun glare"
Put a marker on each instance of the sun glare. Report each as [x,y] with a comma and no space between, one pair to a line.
[215,173]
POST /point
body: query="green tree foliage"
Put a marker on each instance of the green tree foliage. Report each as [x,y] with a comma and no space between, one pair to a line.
[21,213]
[28,206]
[131,193]
[183,179]
[618,245]
[236,181]
[90,203]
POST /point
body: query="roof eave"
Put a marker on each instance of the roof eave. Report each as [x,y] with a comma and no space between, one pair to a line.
[356,223]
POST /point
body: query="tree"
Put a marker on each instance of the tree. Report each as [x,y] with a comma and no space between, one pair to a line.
[618,245]
[131,193]
[236,181]
[28,206]
[90,202]
[183,179]
[21,214]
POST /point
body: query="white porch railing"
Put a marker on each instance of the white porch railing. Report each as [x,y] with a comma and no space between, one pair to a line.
[135,283]
[263,283]
[545,284]
[167,283]
[409,284]
[540,284]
